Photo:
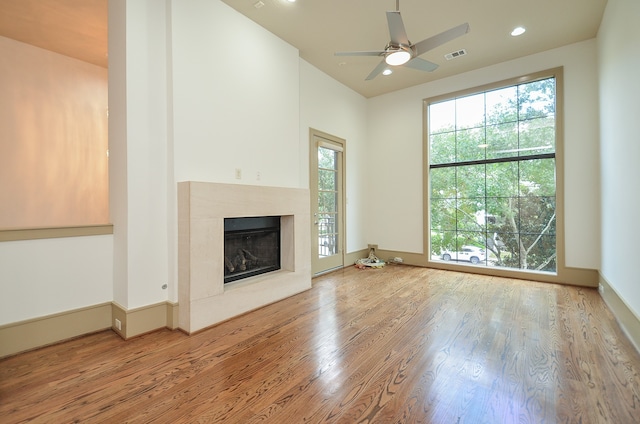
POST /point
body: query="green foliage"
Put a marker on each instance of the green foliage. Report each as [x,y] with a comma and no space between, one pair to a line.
[327,217]
[501,199]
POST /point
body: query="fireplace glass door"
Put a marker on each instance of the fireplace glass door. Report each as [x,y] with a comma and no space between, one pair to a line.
[251,246]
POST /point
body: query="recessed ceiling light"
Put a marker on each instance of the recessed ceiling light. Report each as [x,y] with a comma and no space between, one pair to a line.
[291,1]
[518,31]
[387,72]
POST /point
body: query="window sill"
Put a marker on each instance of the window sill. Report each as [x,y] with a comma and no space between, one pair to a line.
[14,234]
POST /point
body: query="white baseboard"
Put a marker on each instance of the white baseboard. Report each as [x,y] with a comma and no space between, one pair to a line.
[629,321]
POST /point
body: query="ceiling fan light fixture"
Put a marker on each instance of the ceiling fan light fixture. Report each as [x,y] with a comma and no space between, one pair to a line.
[399,57]
[387,72]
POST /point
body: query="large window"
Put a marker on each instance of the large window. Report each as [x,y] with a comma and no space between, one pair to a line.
[492,176]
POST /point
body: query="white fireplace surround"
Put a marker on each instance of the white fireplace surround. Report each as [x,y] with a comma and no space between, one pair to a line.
[203,297]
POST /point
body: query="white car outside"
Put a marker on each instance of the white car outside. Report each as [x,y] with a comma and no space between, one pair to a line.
[471,254]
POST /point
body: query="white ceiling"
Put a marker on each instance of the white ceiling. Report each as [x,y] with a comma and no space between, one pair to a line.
[319,28]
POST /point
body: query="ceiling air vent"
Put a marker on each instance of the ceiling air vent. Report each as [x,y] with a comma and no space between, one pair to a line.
[455,54]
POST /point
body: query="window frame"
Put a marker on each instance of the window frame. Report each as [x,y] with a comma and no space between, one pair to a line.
[562,272]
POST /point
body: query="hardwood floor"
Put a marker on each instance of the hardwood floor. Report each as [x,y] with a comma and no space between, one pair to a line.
[392,345]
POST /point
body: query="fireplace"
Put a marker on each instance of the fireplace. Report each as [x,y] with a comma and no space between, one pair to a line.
[251,246]
[203,209]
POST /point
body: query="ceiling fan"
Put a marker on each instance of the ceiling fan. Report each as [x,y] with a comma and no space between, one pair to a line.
[401,52]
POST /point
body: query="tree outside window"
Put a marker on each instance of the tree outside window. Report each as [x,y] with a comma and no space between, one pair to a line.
[492,176]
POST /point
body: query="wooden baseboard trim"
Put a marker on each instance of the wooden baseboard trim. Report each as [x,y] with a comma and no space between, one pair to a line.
[13,234]
[569,276]
[138,321]
[39,332]
[628,320]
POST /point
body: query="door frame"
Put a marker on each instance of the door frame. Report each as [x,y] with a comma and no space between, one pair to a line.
[313,188]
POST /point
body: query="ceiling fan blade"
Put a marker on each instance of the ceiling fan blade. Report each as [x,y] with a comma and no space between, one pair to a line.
[396,28]
[444,37]
[362,53]
[377,70]
[421,65]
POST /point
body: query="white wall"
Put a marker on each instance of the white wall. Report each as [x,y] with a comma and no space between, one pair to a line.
[618,64]
[234,108]
[139,152]
[331,107]
[42,277]
[53,139]
[395,152]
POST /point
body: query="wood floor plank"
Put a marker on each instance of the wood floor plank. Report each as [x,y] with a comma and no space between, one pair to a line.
[394,345]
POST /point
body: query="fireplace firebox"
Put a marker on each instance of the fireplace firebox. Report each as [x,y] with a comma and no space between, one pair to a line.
[251,246]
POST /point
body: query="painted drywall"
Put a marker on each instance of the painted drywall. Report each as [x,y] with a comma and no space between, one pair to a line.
[233,109]
[618,64]
[53,139]
[331,107]
[139,152]
[61,102]
[395,152]
[43,277]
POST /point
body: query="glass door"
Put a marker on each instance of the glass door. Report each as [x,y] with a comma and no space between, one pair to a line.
[327,205]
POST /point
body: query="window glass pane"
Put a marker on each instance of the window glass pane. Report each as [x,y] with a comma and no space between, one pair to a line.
[511,254]
[502,179]
[495,217]
[326,158]
[537,136]
[502,140]
[442,241]
[327,179]
[471,239]
[443,148]
[470,145]
[470,181]
[537,215]
[542,253]
[443,182]
[327,201]
[536,99]
[502,105]
[538,177]
[327,234]
[442,117]
[470,111]
[443,215]
[470,214]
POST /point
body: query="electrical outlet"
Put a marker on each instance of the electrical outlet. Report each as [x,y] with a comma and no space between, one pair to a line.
[238,174]
[118,324]
[373,246]
[600,289]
